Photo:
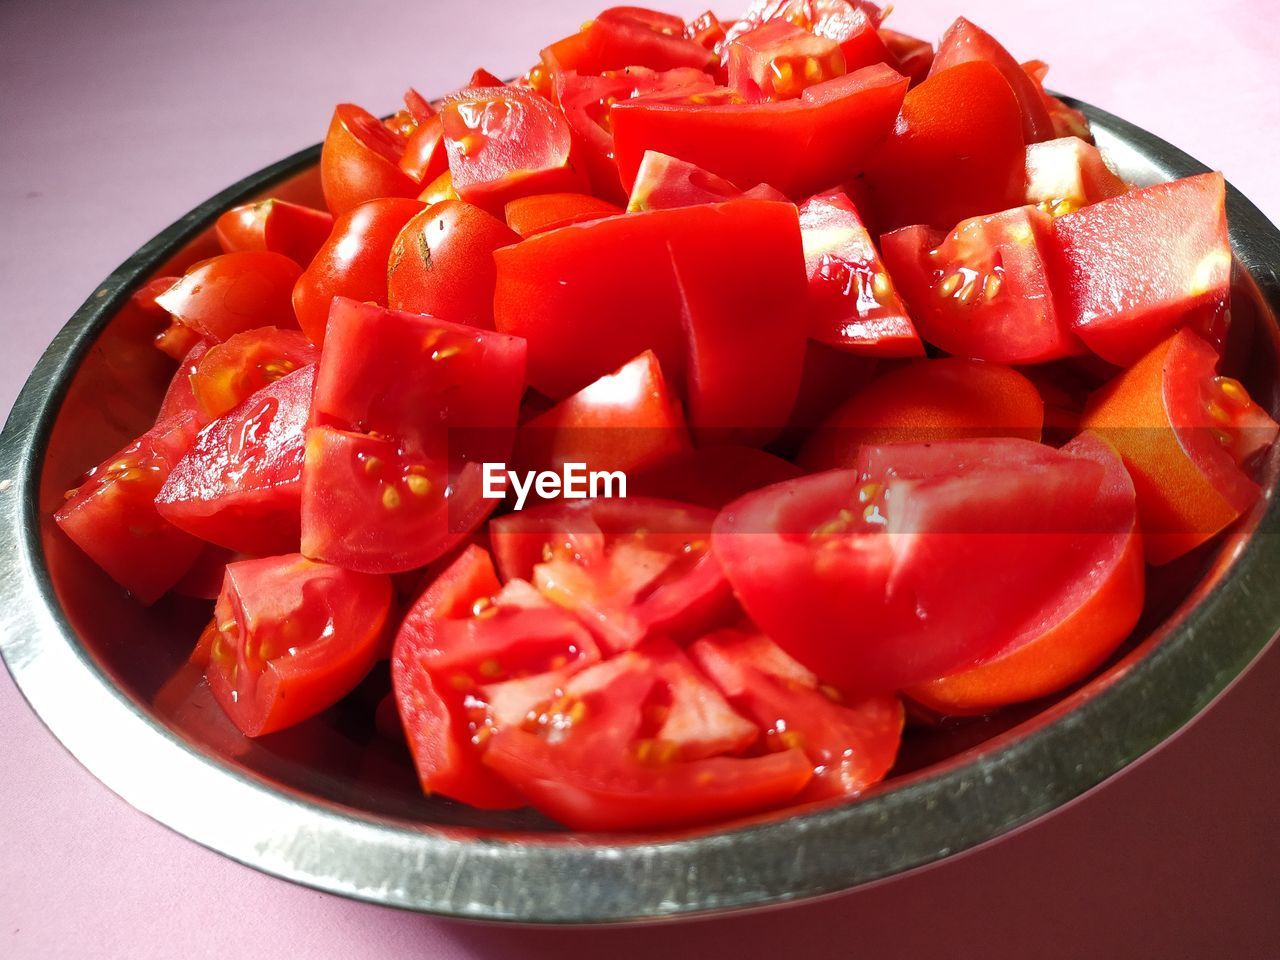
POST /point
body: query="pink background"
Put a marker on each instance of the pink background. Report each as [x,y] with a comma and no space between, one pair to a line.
[118,117]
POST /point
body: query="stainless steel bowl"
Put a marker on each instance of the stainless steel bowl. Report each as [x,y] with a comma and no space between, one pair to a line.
[332,806]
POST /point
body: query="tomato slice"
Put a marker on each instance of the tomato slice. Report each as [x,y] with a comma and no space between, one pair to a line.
[239,484]
[852,302]
[712,476]
[955,152]
[615,42]
[464,631]
[707,31]
[632,569]
[799,146]
[204,582]
[1066,174]
[503,143]
[922,560]
[442,263]
[928,400]
[911,56]
[1184,433]
[1136,266]
[144,298]
[352,263]
[1067,121]
[276,226]
[226,374]
[293,638]
[112,515]
[1081,629]
[550,211]
[779,60]
[851,744]
[629,420]
[425,157]
[441,188]
[663,182]
[227,294]
[965,42]
[360,161]
[594,759]
[179,397]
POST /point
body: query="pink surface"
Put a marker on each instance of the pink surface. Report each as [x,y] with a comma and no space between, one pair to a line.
[118,117]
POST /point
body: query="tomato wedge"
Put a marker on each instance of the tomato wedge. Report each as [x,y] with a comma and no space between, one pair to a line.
[227,294]
[779,60]
[360,161]
[425,157]
[618,42]
[712,476]
[179,397]
[1066,174]
[911,56]
[293,637]
[550,211]
[276,226]
[1185,434]
[226,374]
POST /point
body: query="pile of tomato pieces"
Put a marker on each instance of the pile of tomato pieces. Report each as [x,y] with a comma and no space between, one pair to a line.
[910,389]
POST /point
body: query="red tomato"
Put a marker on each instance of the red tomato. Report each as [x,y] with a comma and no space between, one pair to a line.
[483,78]
[712,476]
[628,420]
[1084,626]
[225,295]
[180,398]
[228,373]
[144,298]
[929,400]
[360,161]
[956,151]
[664,182]
[1067,122]
[851,745]
[177,340]
[1066,174]
[964,42]
[912,57]
[112,516]
[825,18]
[239,485]
[276,226]
[466,630]
[615,42]
[442,263]
[293,638]
[799,147]
[707,31]
[1135,267]
[550,211]
[829,378]
[424,157]
[632,569]
[852,303]
[352,263]
[985,290]
[503,143]
[599,757]
[406,408]
[204,582]
[921,561]
[1184,433]
[742,267]
[779,61]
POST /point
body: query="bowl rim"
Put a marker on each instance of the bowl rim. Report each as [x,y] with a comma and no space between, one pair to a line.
[965,801]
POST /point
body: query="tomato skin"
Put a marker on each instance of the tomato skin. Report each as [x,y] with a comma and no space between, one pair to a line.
[1160,415]
[852,302]
[112,515]
[913,57]
[707,31]
[956,151]
[800,146]
[239,485]
[425,157]
[1084,628]
[352,263]
[924,401]
[986,291]
[360,161]
[617,42]
[227,294]
[294,637]
[442,263]
[276,226]
[1136,266]
[224,375]
[964,42]
[830,377]
[1067,122]
[550,211]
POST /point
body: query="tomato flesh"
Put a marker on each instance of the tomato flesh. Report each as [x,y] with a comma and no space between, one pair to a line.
[1066,174]
[550,211]
[234,292]
[778,61]
[227,373]
[360,161]
[276,226]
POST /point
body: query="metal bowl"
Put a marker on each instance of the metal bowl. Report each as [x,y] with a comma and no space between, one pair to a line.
[332,806]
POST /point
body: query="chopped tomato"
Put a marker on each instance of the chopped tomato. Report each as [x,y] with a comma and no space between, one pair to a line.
[1136,266]
[441,188]
[913,57]
[1081,629]
[352,263]
[293,637]
[1186,434]
[712,476]
[276,226]
[239,484]
[985,291]
[616,42]
[632,569]
[550,211]
[226,374]
[1067,121]
[442,263]
[830,377]
[484,78]
[204,582]
[360,161]
[799,146]
[664,182]
[928,400]
[112,514]
[144,298]
[852,303]
[778,61]
[851,744]
[1066,174]
[177,339]
[707,31]
[425,158]
[628,420]
[227,294]
[179,397]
